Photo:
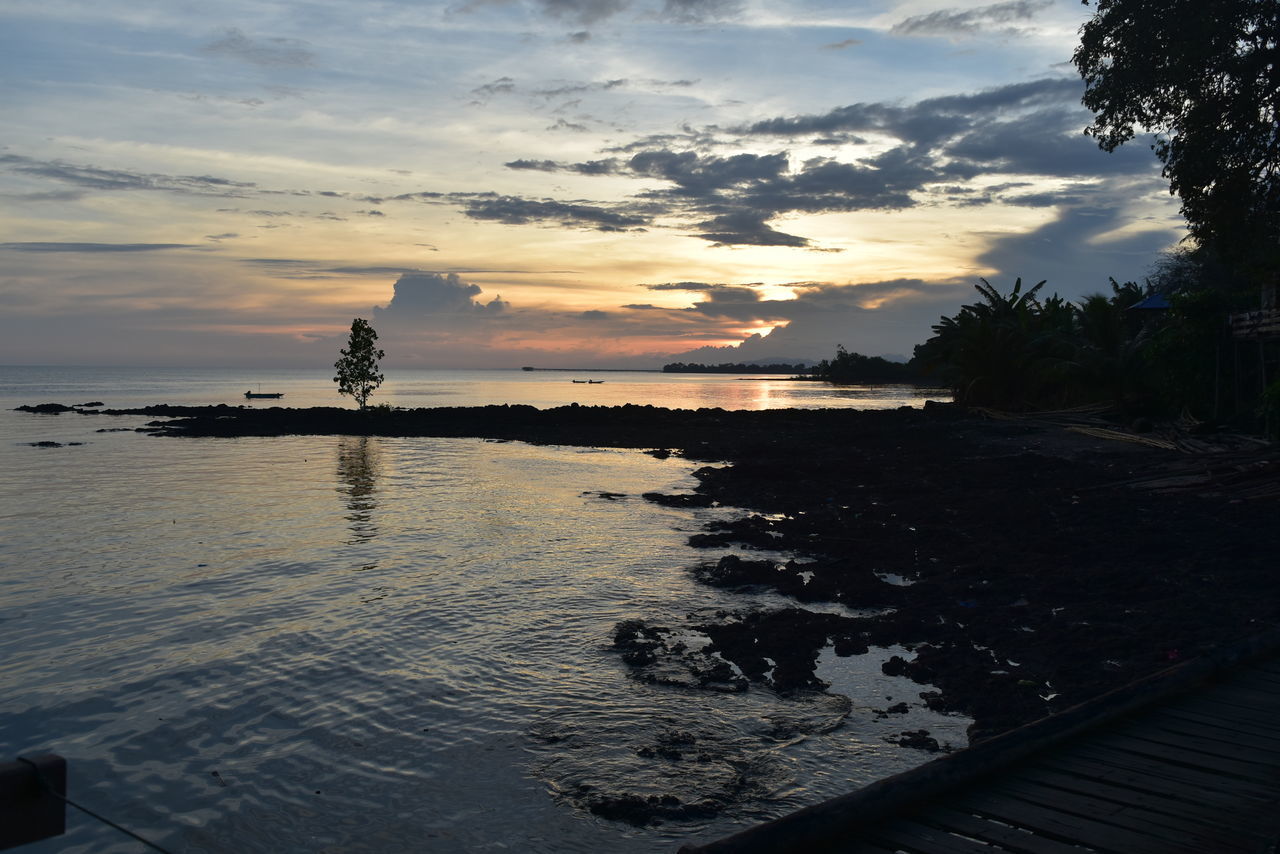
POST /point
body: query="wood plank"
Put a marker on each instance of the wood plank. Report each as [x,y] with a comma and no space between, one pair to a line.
[1202,740]
[1055,823]
[859,846]
[1177,794]
[1247,698]
[1172,828]
[1257,674]
[1259,739]
[1249,717]
[920,839]
[1187,758]
[1008,838]
[1247,730]
[1130,766]
[1173,800]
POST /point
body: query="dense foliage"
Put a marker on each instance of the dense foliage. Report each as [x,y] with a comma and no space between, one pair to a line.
[357,365]
[857,369]
[1169,355]
[1205,76]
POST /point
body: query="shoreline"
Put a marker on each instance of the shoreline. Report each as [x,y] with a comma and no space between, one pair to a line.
[1021,562]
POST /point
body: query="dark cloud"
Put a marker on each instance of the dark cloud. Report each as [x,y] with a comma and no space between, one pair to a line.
[268,52]
[419,296]
[94,178]
[1084,246]
[700,11]
[950,22]
[501,86]
[581,88]
[930,121]
[747,228]
[563,124]
[513,210]
[96,247]
[842,44]
[585,12]
[579,37]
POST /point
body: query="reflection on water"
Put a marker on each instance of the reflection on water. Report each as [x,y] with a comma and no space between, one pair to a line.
[357,480]
[171,608]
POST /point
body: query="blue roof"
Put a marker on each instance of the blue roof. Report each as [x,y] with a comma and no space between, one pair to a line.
[1153,301]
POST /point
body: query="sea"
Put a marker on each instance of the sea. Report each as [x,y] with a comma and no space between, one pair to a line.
[368,644]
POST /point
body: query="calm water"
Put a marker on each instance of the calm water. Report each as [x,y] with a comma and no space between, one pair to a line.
[365,644]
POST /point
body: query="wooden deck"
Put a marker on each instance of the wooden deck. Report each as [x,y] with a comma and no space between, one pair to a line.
[1195,772]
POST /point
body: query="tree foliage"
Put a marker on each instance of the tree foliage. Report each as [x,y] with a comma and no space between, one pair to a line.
[1017,351]
[357,365]
[1204,75]
[857,369]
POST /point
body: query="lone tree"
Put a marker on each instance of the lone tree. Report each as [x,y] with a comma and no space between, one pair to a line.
[357,366]
[1204,75]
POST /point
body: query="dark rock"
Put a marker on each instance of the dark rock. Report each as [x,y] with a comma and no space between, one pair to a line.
[45,408]
[678,500]
[918,739]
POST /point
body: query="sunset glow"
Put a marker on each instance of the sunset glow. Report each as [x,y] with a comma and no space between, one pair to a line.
[592,182]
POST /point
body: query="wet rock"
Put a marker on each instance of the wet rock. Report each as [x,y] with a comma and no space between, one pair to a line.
[45,408]
[918,739]
[678,500]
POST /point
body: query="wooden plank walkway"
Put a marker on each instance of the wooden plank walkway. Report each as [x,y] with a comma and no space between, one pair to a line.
[1187,762]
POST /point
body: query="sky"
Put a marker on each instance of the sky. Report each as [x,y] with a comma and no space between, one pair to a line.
[558,183]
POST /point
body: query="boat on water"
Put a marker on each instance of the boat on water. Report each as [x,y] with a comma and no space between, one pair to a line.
[587,382]
[253,395]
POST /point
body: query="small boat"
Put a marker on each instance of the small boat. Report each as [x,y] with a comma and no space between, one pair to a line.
[579,381]
[253,395]
[595,382]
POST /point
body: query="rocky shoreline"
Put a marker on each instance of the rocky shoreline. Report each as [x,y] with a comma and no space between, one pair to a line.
[1028,567]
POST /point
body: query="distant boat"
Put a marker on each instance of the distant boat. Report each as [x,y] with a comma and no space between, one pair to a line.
[253,395]
[587,382]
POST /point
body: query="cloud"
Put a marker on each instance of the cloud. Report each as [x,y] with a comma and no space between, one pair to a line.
[930,121]
[422,296]
[936,147]
[583,12]
[513,210]
[841,45]
[269,53]
[94,178]
[501,86]
[97,247]
[950,22]
[700,11]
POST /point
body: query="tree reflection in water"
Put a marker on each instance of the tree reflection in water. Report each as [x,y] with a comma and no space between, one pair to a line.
[357,475]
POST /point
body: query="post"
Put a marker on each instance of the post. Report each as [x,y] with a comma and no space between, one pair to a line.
[28,811]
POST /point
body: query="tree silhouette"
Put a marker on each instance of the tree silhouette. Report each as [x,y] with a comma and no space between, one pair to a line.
[1203,75]
[357,366]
